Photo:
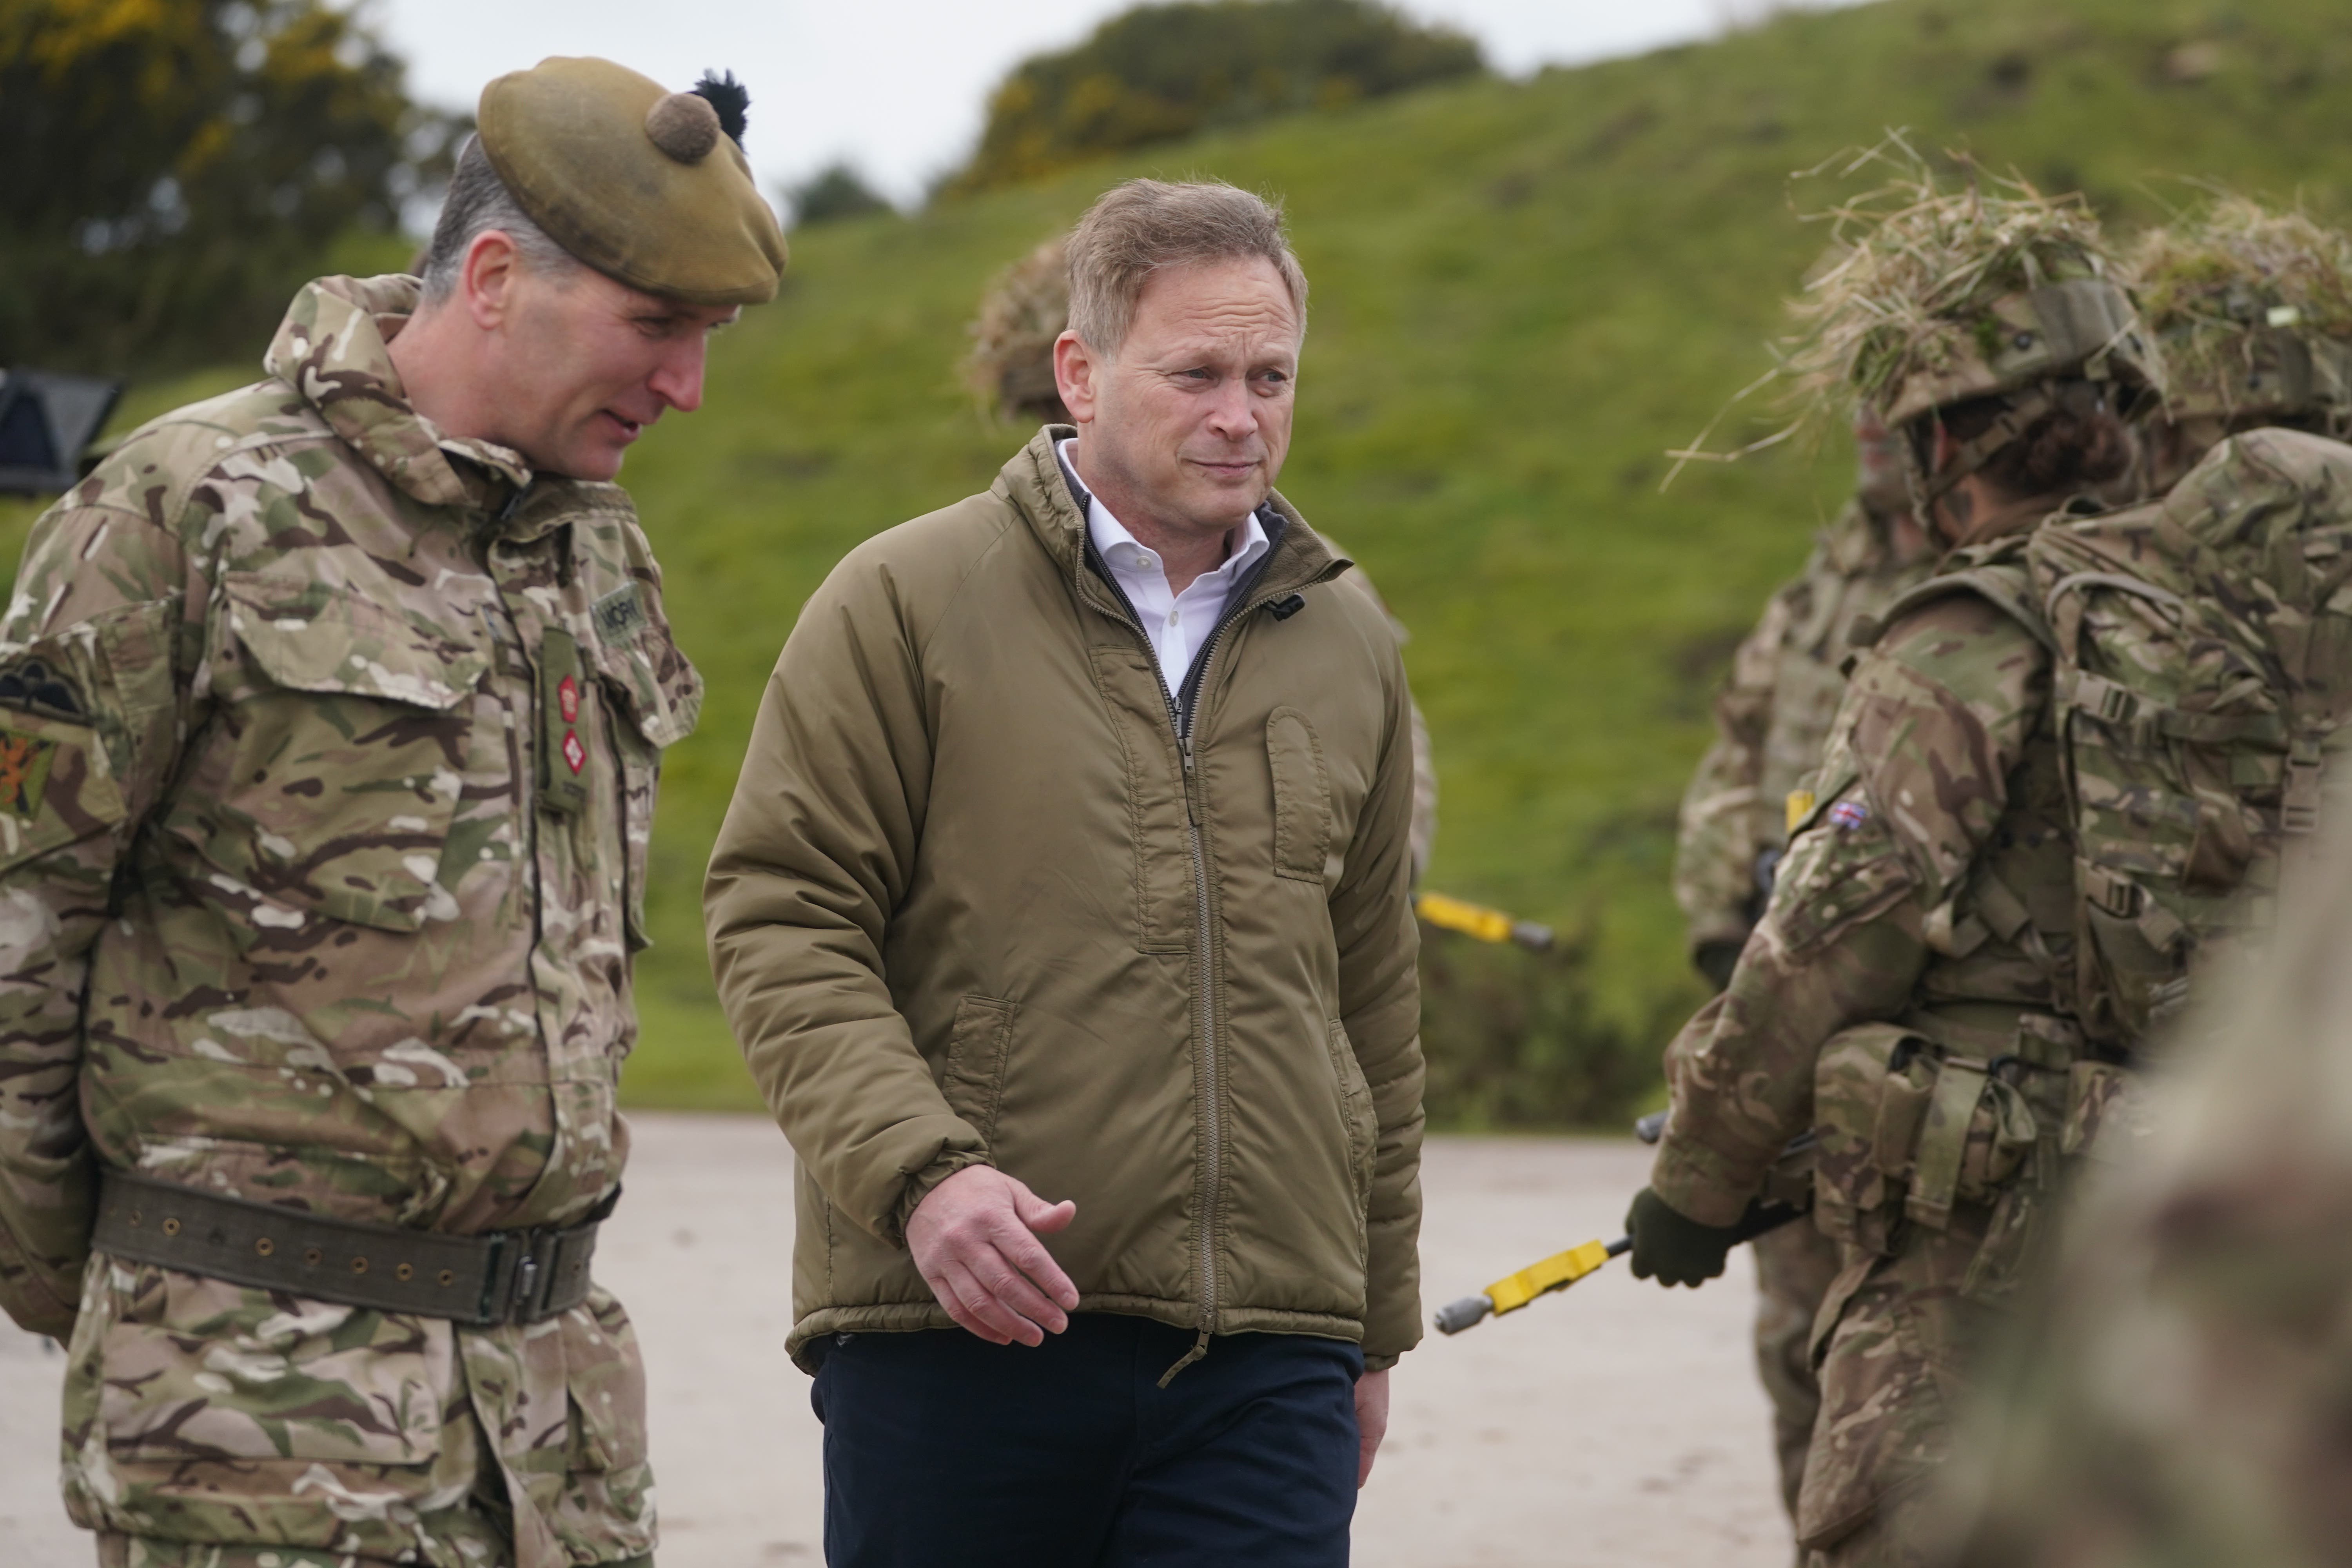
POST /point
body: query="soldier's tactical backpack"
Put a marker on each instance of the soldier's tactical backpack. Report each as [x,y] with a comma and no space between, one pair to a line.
[2203,677]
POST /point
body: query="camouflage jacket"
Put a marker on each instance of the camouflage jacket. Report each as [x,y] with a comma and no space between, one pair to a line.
[326,757]
[1940,813]
[1773,715]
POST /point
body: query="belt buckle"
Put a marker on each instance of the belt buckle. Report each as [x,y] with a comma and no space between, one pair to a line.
[519,1294]
[534,1275]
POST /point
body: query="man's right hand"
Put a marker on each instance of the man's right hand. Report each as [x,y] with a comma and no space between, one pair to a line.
[974,1236]
[1672,1248]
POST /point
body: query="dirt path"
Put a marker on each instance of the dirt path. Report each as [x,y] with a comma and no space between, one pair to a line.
[1615,1425]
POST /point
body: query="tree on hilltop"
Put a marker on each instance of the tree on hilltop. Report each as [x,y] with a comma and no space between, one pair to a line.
[177,167]
[832,194]
[1162,72]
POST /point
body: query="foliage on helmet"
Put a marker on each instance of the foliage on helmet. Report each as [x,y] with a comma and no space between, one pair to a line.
[1011,365]
[2221,281]
[1925,283]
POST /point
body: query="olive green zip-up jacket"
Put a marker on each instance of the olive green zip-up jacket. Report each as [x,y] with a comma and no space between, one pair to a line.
[986,894]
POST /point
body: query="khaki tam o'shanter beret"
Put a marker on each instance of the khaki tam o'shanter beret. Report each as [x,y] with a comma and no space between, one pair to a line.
[641,183]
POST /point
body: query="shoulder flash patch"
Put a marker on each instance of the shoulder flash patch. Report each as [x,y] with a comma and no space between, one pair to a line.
[30,687]
[1797,807]
[621,613]
[1849,814]
[24,772]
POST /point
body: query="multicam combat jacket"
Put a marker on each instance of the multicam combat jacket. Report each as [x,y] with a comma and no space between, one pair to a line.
[1940,818]
[327,755]
[1772,718]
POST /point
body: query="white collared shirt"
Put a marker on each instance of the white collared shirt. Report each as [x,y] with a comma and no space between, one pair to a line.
[1177,624]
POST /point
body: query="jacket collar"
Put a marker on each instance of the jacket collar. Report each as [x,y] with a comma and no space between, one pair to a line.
[1035,486]
[333,349]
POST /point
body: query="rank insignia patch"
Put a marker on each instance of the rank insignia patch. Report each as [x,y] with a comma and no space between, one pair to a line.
[24,772]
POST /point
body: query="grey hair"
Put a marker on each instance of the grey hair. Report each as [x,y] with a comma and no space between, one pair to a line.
[478,201]
[1139,227]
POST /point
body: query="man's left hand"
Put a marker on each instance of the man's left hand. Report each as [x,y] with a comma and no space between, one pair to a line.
[1372,1421]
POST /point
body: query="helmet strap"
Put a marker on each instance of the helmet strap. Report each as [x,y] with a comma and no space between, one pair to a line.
[1975,453]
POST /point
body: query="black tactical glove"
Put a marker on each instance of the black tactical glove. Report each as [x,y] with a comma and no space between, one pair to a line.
[1716,959]
[1672,1248]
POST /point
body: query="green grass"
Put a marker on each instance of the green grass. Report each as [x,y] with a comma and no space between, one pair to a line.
[1524,295]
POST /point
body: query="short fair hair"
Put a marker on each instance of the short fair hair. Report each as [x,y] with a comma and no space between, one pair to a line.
[478,202]
[1139,227]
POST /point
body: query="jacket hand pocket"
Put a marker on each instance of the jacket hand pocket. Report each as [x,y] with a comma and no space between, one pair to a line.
[331,782]
[1356,1110]
[978,1046]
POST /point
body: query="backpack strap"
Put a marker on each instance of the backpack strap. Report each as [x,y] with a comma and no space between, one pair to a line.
[2125,708]
[1999,577]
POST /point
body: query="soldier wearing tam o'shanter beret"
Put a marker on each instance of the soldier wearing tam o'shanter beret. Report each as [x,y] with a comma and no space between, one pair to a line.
[330,715]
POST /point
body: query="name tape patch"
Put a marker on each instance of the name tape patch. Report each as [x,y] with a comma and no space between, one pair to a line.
[621,615]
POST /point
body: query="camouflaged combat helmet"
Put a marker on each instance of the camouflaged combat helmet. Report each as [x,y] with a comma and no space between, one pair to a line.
[1937,297]
[1023,313]
[2253,311]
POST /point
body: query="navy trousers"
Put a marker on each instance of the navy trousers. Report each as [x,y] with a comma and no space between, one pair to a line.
[942,1449]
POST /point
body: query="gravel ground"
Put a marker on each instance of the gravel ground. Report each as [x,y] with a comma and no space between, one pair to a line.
[1616,1425]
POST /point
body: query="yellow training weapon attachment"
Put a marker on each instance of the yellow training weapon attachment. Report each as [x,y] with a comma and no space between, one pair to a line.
[1557,1272]
[1476,920]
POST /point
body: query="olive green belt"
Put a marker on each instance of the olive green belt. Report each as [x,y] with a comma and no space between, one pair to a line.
[499,1276]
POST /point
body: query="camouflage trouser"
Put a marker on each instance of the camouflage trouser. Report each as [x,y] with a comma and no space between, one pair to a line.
[127,1552]
[212,1425]
[1892,1368]
[1795,1267]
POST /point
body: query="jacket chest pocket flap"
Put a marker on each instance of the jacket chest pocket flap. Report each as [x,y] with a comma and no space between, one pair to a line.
[336,787]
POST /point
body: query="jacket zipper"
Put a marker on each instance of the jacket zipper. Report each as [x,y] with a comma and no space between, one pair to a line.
[1179,719]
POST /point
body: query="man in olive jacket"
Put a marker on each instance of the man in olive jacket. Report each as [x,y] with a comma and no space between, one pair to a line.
[1071,857]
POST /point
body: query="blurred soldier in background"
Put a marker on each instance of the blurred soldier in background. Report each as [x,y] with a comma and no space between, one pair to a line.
[1921,924]
[330,715]
[1010,368]
[1772,719]
[2254,309]
[1772,716]
[2183,1397]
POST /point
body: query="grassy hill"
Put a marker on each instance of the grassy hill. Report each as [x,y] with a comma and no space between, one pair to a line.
[1524,294]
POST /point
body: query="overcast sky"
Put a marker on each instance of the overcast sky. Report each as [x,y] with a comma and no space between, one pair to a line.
[896,86]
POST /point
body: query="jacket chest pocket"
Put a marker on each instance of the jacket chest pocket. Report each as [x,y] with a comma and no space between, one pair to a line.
[1302,796]
[655,697]
[335,765]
